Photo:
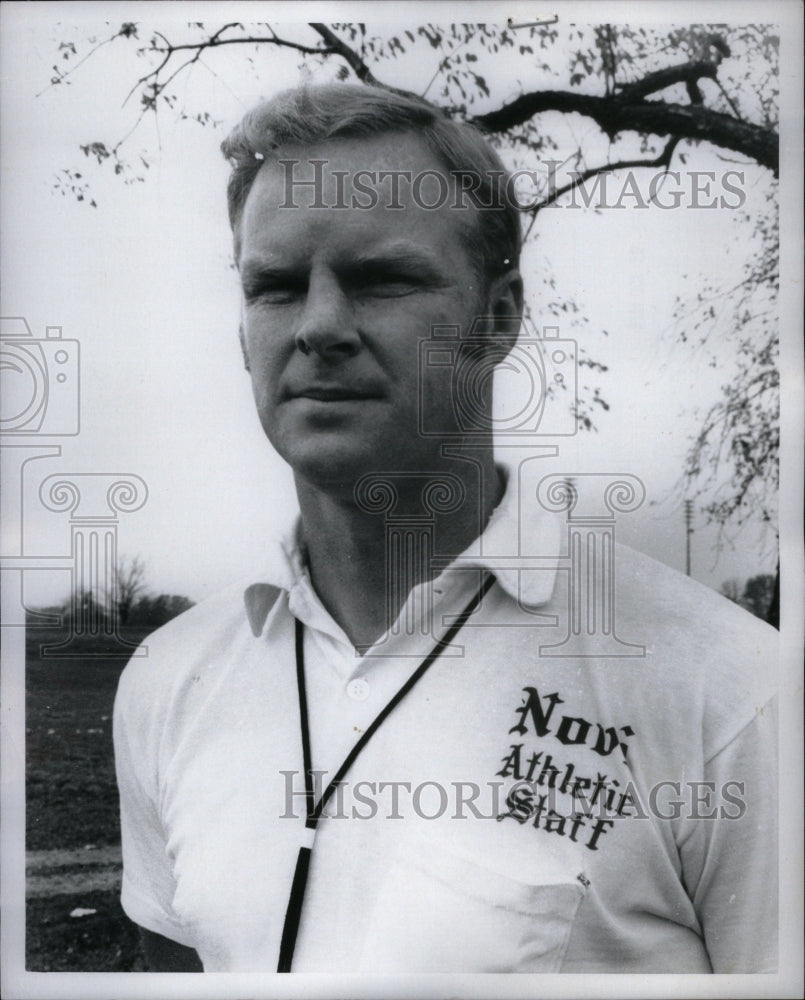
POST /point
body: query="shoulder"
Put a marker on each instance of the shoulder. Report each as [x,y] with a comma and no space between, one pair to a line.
[168,658]
[679,607]
[701,645]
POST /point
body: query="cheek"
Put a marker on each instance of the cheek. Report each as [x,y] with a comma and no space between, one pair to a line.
[264,347]
[264,382]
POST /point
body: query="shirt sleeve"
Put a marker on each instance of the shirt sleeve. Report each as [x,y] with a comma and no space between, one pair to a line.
[148,882]
[729,853]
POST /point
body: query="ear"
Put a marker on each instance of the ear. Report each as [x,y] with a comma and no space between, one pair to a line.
[242,338]
[505,304]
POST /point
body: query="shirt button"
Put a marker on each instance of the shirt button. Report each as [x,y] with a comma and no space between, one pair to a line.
[358,689]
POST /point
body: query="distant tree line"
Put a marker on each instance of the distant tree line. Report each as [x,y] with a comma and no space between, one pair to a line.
[152,610]
[156,610]
[129,601]
[760,595]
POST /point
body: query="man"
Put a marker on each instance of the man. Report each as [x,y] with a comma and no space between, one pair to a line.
[372,759]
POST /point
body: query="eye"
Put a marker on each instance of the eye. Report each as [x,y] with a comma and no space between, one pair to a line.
[274,292]
[390,289]
[387,284]
[278,296]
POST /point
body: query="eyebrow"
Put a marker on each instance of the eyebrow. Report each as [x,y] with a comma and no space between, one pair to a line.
[397,254]
[256,269]
[386,264]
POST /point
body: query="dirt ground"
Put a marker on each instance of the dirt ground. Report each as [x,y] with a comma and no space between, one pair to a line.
[73,917]
[101,940]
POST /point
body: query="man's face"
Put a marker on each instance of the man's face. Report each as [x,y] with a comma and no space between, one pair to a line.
[336,302]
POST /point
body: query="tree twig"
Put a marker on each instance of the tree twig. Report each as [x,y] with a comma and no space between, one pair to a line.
[663,160]
[214,42]
[81,61]
[729,100]
[353,60]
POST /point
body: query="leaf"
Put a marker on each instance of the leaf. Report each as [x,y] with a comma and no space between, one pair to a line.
[96,149]
[480,83]
[432,35]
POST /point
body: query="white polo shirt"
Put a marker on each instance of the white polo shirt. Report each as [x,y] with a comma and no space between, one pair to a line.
[517,811]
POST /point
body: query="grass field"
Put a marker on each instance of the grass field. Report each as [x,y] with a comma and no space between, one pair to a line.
[72,826]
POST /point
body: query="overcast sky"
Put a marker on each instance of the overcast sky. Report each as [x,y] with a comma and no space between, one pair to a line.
[145,284]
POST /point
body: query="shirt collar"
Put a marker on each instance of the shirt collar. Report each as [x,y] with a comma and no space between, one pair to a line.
[283,569]
[520,546]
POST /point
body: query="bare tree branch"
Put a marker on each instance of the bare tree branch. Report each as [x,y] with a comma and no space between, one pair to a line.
[627,111]
[307,50]
[349,55]
[353,60]
[666,77]
[729,101]
[614,115]
[213,42]
[663,160]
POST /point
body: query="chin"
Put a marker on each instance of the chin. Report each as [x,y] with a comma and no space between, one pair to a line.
[335,470]
[338,468]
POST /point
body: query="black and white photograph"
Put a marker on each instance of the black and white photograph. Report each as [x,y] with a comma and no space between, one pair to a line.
[402,497]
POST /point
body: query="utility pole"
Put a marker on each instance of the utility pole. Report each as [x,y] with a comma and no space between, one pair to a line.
[688,533]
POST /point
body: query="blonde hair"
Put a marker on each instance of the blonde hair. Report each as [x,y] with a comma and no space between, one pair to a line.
[312,114]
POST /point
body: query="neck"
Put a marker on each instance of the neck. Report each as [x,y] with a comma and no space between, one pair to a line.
[346,537]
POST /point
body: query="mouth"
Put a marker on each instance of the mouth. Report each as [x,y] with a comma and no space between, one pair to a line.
[334,393]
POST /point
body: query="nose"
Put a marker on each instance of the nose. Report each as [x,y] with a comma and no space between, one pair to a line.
[327,325]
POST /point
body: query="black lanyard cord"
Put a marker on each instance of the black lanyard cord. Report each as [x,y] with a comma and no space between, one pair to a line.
[315,809]
[303,716]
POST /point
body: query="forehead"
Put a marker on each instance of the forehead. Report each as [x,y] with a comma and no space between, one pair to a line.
[354,191]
